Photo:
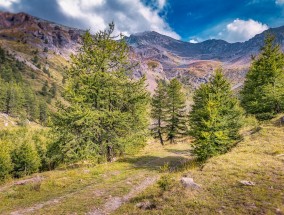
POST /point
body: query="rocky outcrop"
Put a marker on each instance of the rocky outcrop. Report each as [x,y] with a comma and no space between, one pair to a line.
[158,56]
[194,63]
[40,34]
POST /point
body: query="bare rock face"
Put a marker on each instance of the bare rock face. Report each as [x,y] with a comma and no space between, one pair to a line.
[193,64]
[38,33]
[189,183]
[158,56]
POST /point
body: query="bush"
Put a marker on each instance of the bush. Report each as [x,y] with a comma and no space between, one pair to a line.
[26,160]
[6,165]
[166,182]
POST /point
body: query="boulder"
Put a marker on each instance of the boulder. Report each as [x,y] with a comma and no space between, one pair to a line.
[147,205]
[189,183]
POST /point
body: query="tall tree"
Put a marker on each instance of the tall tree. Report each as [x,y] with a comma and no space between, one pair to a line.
[215,119]
[263,92]
[105,106]
[176,121]
[158,111]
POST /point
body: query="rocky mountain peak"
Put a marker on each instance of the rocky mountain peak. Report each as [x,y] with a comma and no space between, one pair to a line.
[39,33]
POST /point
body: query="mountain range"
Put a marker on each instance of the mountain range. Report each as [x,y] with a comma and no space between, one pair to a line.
[159,56]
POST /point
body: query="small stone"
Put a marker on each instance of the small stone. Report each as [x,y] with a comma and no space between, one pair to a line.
[147,205]
[279,212]
[247,183]
[189,183]
[86,171]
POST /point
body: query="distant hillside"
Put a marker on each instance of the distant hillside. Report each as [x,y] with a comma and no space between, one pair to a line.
[195,62]
[43,47]
[159,56]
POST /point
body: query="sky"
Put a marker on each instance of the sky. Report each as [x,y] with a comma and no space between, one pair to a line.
[187,20]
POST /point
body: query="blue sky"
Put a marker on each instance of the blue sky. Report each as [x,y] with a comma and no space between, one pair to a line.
[189,20]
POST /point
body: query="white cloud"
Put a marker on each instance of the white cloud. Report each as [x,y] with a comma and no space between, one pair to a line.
[242,30]
[279,2]
[7,4]
[161,3]
[193,41]
[130,16]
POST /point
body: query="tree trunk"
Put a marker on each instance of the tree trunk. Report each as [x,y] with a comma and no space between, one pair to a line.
[160,137]
[109,154]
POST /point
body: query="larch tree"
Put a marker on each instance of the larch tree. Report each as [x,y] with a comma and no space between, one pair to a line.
[107,109]
[263,91]
[176,109]
[159,111]
[215,118]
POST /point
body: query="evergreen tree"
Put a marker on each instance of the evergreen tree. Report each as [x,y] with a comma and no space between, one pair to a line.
[263,92]
[2,55]
[44,89]
[176,122]
[53,90]
[105,105]
[215,119]
[158,111]
[13,99]
[43,112]
[31,104]
[6,165]
[25,159]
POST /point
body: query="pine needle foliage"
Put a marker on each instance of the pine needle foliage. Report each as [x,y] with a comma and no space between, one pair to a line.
[215,119]
[176,109]
[159,112]
[263,91]
[107,109]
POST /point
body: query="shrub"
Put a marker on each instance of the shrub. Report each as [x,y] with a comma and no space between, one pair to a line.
[6,165]
[166,182]
[26,160]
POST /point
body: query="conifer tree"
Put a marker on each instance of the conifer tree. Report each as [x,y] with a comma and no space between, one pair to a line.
[6,165]
[44,89]
[215,119]
[158,111]
[43,112]
[106,107]
[176,120]
[263,92]
[25,159]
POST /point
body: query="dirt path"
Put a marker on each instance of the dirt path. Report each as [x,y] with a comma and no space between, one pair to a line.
[106,195]
[114,203]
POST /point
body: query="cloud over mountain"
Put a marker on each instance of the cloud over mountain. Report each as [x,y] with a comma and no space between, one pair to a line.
[130,16]
[242,30]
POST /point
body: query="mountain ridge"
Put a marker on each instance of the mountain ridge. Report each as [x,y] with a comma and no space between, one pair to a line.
[159,56]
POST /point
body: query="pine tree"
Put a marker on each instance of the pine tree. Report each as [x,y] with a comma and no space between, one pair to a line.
[263,92]
[25,159]
[176,122]
[215,119]
[31,104]
[158,111]
[44,89]
[106,106]
[43,112]
[14,99]
[53,90]
[6,165]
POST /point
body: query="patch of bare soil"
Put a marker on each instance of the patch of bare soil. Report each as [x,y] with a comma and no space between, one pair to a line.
[114,203]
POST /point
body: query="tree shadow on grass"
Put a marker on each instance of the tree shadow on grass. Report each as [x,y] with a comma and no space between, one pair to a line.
[155,163]
[183,152]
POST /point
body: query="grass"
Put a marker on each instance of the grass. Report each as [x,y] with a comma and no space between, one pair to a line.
[258,158]
[65,191]
[254,159]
